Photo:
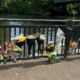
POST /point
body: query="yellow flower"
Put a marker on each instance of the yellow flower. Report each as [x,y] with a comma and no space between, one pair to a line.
[6,55]
[49,54]
[22,39]
[42,37]
[10,45]
[13,44]
[72,44]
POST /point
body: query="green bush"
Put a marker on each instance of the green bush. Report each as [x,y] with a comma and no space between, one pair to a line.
[17,7]
[38,7]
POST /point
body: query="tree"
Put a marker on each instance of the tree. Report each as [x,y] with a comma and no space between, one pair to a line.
[71,9]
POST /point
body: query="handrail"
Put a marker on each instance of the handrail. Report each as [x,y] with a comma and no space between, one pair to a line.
[33,20]
[5,26]
[76,20]
[37,20]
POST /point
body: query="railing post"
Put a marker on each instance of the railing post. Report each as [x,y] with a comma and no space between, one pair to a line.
[24,44]
[55,36]
[34,31]
[4,38]
[67,37]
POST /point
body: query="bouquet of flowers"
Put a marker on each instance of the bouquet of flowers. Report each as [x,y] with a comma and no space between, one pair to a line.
[9,47]
[16,52]
[19,40]
[5,55]
[73,46]
[40,40]
[50,50]
[30,41]
[1,50]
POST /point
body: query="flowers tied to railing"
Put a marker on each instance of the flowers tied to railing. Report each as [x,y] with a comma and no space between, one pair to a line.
[73,46]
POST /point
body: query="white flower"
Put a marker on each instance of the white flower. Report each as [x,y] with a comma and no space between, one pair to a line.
[30,37]
[21,34]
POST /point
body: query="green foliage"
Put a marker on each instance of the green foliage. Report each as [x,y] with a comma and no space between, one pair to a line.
[17,7]
[71,9]
[39,7]
[29,7]
[52,48]
[5,2]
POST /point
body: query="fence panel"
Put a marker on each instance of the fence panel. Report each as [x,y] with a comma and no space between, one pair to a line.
[71,32]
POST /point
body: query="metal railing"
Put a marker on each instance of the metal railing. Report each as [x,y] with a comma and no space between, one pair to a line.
[70,32]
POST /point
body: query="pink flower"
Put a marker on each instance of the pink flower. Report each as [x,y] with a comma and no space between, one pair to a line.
[9,45]
[1,48]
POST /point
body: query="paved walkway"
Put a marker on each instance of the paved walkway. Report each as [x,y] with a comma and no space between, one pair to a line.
[40,69]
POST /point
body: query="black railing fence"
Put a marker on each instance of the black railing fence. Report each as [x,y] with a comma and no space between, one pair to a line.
[71,32]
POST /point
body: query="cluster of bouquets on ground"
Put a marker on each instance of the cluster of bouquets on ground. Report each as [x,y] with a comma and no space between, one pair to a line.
[6,53]
[50,51]
[73,46]
[11,49]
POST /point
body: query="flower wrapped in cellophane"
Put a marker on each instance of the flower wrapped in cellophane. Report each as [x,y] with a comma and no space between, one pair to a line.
[16,52]
[5,55]
[31,41]
[9,47]
[73,46]
[62,49]
[58,40]
[50,50]
[1,50]
[40,40]
[19,40]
